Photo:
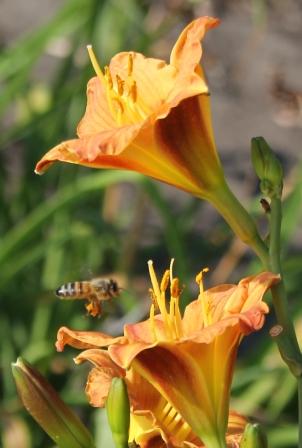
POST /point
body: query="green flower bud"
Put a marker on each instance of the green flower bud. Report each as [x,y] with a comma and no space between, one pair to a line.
[267,167]
[253,437]
[47,408]
[118,412]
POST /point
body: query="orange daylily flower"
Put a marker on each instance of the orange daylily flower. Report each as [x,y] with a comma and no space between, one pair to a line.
[178,368]
[149,116]
[152,117]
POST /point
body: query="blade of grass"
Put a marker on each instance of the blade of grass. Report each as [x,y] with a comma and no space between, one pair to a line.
[66,196]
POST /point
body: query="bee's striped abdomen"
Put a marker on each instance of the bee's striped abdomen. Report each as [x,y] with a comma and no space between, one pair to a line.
[74,290]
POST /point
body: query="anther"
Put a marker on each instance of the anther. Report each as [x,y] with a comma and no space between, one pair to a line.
[165,281]
[133,92]
[153,299]
[130,64]
[199,276]
[175,289]
[120,85]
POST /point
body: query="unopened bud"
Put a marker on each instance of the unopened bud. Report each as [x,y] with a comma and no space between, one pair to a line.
[47,408]
[253,437]
[267,167]
[118,412]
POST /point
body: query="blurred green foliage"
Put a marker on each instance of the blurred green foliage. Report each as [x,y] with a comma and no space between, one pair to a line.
[71,221]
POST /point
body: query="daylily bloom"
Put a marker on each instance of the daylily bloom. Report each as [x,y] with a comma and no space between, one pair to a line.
[149,116]
[152,117]
[178,368]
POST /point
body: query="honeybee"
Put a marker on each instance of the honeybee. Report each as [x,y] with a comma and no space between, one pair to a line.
[96,291]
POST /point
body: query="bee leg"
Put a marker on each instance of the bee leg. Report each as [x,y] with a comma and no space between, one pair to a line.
[93,308]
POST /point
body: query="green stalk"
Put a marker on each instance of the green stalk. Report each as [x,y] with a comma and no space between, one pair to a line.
[278,291]
[239,220]
[244,227]
[288,343]
[300,409]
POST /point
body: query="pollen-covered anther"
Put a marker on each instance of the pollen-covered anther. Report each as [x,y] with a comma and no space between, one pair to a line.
[175,288]
[130,64]
[133,91]
[199,277]
[120,85]
[153,298]
[165,281]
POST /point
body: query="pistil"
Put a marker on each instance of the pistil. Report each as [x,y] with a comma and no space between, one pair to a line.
[95,65]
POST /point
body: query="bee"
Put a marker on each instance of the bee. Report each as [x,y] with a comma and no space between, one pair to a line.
[96,291]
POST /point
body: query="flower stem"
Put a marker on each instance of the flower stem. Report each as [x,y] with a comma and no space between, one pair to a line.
[300,410]
[288,345]
[239,220]
[278,291]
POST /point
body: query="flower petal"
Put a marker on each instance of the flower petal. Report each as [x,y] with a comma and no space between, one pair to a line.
[185,56]
[154,79]
[187,50]
[242,301]
[83,339]
[97,116]
[186,136]
[99,378]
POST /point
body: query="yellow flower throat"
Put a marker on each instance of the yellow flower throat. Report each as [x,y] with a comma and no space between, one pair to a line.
[122,95]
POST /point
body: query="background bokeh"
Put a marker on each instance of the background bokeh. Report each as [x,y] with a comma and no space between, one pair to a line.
[74,223]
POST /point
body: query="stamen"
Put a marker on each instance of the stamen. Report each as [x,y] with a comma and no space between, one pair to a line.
[177,321]
[133,92]
[153,299]
[152,322]
[120,109]
[173,424]
[120,85]
[184,431]
[169,418]
[130,64]
[108,77]
[175,292]
[166,409]
[95,64]
[172,308]
[204,303]
[160,299]
[165,281]
[175,289]
[199,280]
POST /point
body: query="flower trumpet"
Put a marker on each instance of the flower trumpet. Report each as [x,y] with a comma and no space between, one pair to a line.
[148,116]
[178,369]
